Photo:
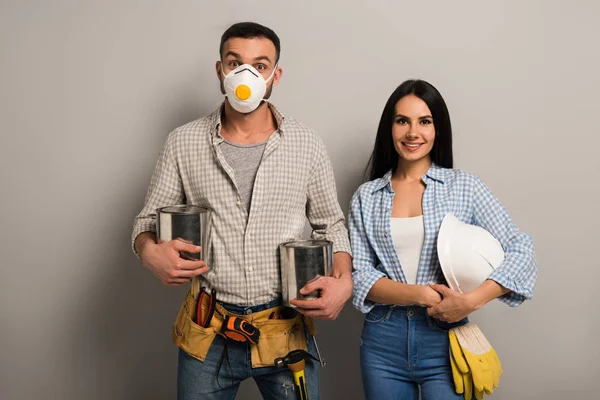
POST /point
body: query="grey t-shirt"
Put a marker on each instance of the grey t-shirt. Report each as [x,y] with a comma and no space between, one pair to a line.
[244,159]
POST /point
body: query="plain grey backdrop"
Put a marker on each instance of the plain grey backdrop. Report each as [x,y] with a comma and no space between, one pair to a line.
[89,91]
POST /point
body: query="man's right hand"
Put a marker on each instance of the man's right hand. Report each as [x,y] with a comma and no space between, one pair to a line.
[165,262]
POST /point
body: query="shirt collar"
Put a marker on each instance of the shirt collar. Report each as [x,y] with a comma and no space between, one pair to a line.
[383,182]
[434,172]
[215,118]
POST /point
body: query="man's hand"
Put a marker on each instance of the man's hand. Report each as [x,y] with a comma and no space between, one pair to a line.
[334,294]
[454,305]
[164,261]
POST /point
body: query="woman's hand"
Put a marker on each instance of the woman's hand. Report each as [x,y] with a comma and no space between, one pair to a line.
[428,296]
[454,305]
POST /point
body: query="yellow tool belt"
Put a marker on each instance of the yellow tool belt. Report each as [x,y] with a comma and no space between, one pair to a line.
[277,336]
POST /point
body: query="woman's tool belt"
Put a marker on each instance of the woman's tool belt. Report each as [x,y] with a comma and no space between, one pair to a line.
[278,335]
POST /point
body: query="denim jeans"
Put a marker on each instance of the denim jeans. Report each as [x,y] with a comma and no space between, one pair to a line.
[403,352]
[219,378]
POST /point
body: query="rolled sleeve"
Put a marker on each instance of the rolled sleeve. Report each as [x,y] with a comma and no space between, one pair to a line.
[323,209]
[518,271]
[165,189]
[364,273]
[363,282]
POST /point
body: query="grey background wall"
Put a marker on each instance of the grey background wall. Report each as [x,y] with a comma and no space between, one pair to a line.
[90,89]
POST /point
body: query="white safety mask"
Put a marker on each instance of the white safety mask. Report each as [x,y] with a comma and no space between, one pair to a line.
[245,87]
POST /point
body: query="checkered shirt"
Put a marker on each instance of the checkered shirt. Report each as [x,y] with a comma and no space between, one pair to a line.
[447,190]
[294,181]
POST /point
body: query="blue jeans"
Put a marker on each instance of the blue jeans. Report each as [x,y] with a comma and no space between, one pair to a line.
[209,380]
[403,350]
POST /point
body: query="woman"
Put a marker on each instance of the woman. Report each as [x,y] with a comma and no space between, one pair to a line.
[394,222]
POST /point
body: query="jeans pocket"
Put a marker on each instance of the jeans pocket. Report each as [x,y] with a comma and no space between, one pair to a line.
[377,314]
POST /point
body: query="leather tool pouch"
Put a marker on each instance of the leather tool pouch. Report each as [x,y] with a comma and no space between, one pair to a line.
[277,336]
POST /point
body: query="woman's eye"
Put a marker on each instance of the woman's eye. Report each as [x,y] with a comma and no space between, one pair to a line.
[401,121]
[426,122]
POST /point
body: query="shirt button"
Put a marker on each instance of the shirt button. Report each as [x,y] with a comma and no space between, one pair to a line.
[249,269]
[385,234]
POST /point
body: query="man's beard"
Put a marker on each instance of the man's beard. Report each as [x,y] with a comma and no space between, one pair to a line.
[269,91]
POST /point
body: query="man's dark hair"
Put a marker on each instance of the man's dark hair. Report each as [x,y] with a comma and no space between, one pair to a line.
[250,30]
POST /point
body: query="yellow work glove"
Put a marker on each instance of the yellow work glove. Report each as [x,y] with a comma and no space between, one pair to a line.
[492,356]
[473,355]
[493,359]
[463,381]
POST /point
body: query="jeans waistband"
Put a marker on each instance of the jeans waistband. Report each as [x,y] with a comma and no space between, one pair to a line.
[246,310]
[418,311]
[412,310]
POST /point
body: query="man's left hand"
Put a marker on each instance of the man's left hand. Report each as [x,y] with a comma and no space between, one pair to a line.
[454,305]
[334,294]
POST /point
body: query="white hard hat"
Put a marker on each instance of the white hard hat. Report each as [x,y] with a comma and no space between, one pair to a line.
[468,254]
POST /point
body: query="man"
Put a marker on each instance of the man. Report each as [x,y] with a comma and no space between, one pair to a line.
[262,174]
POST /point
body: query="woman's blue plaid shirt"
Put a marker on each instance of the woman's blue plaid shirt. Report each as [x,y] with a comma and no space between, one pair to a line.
[447,190]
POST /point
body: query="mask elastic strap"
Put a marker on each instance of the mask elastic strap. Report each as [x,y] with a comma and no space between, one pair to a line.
[272,73]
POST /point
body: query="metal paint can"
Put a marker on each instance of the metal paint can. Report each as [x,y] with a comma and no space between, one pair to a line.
[187,222]
[300,262]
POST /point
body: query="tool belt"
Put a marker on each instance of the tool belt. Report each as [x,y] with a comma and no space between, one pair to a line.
[277,336]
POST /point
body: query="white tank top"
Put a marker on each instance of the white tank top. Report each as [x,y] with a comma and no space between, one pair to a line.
[408,235]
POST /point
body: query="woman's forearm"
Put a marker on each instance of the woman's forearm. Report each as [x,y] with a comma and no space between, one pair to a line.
[488,291]
[387,291]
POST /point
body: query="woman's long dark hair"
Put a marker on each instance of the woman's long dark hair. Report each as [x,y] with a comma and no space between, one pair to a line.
[384,156]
